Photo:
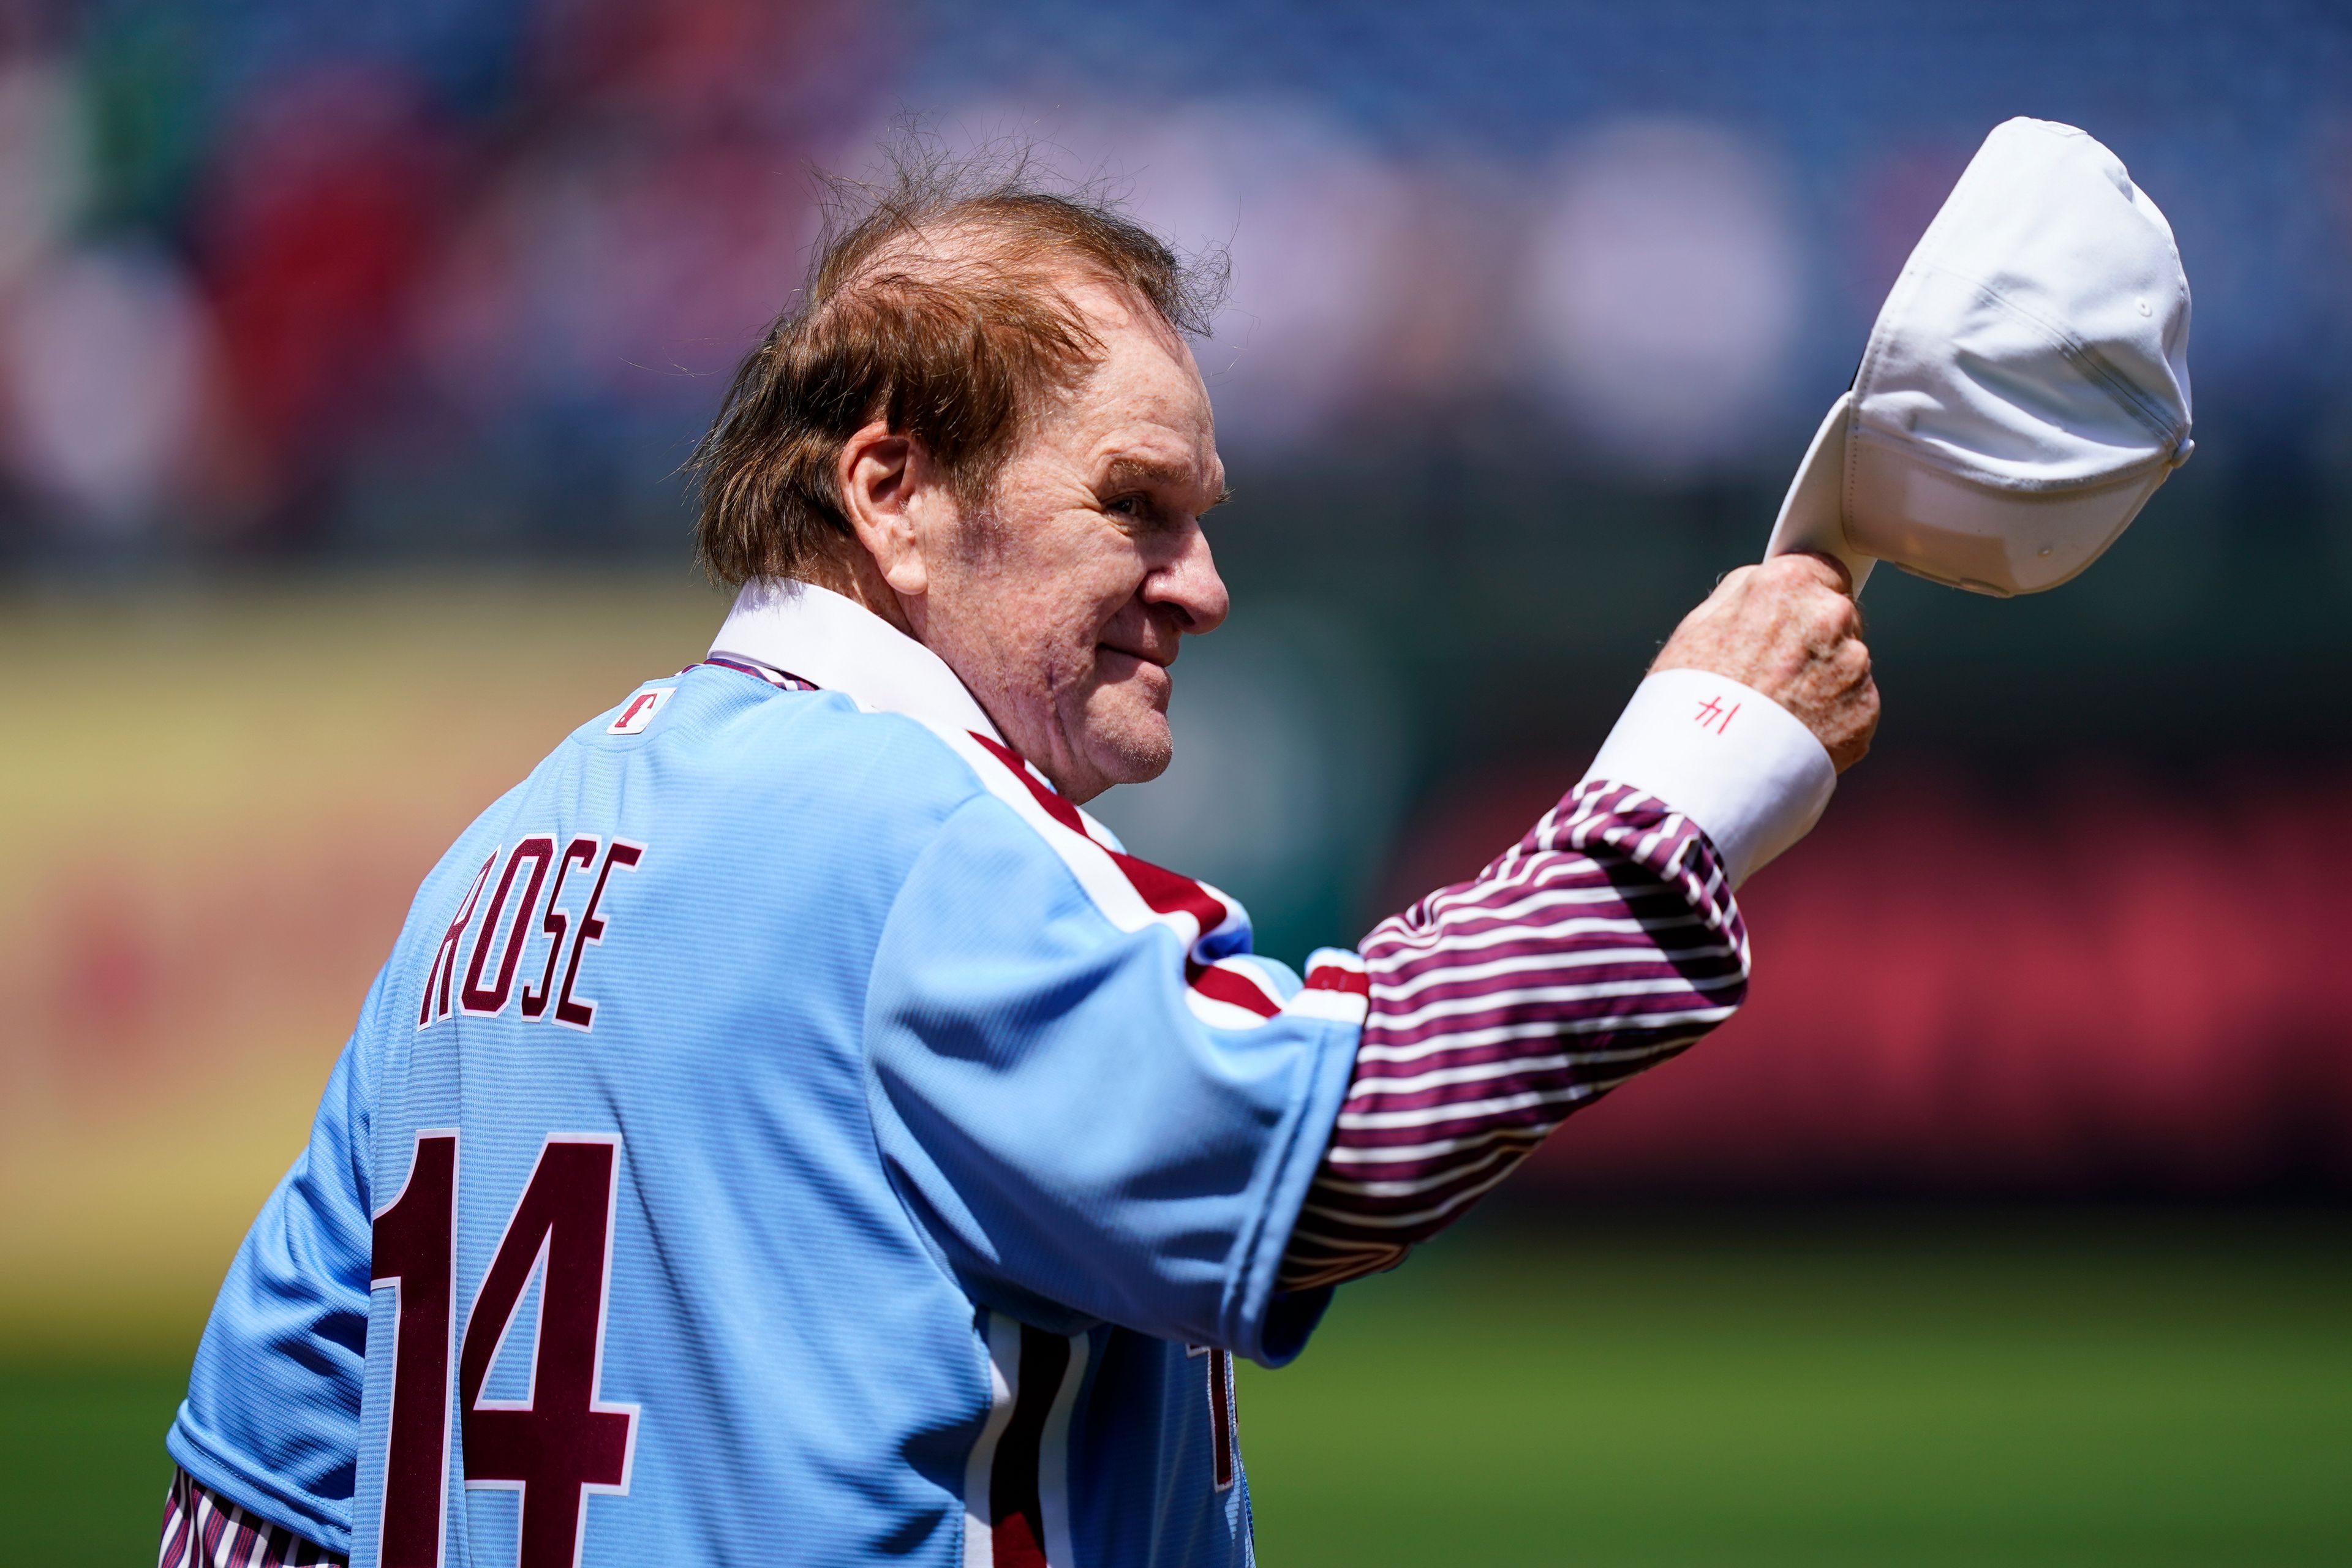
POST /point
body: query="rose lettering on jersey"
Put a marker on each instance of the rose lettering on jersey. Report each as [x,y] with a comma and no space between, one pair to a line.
[582,852]
[438,978]
[501,939]
[490,1000]
[579,1013]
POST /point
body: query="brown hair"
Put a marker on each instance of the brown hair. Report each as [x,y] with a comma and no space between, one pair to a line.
[953,353]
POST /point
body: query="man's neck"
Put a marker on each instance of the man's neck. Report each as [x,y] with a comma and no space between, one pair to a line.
[850,572]
[806,629]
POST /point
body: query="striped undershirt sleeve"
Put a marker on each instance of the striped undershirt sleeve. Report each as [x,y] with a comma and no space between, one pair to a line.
[203,1528]
[1602,945]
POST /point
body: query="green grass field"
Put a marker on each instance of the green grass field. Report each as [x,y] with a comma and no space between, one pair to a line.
[2141,1387]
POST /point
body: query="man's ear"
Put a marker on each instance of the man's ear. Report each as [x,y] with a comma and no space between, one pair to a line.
[881,478]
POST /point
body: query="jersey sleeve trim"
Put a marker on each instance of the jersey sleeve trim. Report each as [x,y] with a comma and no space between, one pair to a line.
[313,1518]
[203,1528]
[1132,893]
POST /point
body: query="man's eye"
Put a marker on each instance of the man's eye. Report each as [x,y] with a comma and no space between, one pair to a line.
[1127,506]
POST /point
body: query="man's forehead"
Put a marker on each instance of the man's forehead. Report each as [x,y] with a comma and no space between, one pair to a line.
[1145,409]
[1155,426]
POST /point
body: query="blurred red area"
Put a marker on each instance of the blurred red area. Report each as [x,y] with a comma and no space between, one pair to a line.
[143,977]
[325,202]
[2099,984]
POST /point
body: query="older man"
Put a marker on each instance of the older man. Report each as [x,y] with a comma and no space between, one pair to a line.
[790,1130]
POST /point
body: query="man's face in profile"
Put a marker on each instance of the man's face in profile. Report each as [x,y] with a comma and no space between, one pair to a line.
[1061,601]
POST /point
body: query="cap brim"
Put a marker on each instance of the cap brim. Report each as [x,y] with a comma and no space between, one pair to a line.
[1812,514]
[1937,525]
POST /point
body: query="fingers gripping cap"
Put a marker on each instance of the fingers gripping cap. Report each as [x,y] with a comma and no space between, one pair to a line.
[2026,387]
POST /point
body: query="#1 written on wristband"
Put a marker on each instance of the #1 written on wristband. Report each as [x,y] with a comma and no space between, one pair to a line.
[1735,762]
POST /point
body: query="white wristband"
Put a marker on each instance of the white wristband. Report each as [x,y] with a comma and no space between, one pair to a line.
[1735,762]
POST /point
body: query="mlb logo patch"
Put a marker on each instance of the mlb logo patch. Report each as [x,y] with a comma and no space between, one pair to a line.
[640,711]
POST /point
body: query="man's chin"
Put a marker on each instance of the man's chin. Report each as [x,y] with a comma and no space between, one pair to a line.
[1129,748]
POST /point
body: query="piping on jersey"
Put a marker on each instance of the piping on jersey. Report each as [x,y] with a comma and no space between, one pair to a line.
[1017,1482]
[1225,991]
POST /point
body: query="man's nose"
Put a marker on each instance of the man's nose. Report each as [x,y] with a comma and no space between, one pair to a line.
[1189,584]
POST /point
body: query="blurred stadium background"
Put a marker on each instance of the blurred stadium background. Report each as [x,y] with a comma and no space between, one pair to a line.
[347,357]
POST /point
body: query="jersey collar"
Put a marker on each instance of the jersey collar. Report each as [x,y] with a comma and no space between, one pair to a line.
[839,645]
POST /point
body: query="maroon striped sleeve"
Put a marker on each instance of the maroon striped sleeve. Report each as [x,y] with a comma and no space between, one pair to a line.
[203,1528]
[1602,945]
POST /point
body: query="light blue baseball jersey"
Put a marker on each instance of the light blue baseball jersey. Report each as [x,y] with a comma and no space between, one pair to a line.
[784,1132]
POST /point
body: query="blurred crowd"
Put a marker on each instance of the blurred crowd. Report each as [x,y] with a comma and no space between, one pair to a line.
[288,274]
[436,273]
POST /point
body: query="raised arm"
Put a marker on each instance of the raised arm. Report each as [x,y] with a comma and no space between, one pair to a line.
[1607,940]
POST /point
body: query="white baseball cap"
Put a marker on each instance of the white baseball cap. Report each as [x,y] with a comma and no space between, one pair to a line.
[2025,389]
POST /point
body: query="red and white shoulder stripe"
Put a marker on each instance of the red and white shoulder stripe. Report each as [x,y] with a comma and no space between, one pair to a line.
[1225,986]
[203,1530]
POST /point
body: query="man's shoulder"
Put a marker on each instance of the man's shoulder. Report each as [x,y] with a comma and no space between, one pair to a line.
[758,746]
[719,778]
[880,788]
[820,744]
[698,810]
[731,783]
